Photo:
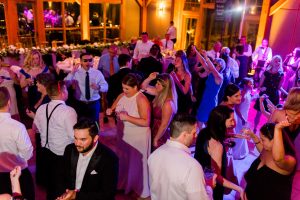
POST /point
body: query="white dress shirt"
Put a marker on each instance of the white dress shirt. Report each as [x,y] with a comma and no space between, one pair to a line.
[249,51]
[261,53]
[174,174]
[95,76]
[172,31]
[141,49]
[169,46]
[82,164]
[15,144]
[61,124]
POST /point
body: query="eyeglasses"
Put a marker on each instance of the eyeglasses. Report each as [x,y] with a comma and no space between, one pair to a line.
[87,60]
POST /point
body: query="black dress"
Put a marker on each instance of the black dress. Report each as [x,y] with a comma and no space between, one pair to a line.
[202,156]
[267,184]
[271,83]
[184,101]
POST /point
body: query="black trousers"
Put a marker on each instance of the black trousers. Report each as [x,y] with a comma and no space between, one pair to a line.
[89,110]
[26,183]
[54,175]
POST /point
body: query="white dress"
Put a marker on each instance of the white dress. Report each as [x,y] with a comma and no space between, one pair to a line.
[241,150]
[9,84]
[133,150]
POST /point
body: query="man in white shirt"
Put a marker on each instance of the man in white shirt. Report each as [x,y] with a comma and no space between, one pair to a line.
[91,169]
[173,32]
[215,51]
[142,48]
[54,121]
[87,82]
[174,173]
[15,149]
[167,43]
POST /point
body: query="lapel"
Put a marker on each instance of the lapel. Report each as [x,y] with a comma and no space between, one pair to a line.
[95,159]
[74,160]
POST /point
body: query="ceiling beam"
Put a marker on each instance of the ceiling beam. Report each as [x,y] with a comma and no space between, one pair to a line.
[277,6]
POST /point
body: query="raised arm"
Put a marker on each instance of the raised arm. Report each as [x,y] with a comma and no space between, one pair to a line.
[282,160]
[148,88]
[217,75]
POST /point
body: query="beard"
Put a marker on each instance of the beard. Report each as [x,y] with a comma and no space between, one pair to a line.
[85,150]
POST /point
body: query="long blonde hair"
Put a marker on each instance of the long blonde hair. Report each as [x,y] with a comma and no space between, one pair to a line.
[168,92]
[29,58]
[280,68]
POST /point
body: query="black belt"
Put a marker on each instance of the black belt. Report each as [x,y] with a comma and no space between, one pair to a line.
[88,102]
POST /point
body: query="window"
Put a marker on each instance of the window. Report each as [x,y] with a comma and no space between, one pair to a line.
[62,22]
[26,30]
[3,34]
[104,22]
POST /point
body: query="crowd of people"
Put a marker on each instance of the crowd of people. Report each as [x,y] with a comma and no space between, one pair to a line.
[202,98]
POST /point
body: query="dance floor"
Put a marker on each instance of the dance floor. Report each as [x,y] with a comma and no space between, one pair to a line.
[108,137]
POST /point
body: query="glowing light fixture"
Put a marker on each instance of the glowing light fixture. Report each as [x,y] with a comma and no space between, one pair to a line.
[239,9]
[161,8]
[252,10]
[50,4]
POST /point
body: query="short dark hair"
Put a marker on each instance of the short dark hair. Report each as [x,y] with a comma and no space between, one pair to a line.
[85,54]
[132,80]
[84,123]
[54,87]
[144,33]
[155,49]
[180,123]
[45,78]
[123,59]
[4,97]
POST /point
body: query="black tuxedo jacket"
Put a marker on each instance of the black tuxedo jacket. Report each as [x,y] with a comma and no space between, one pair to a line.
[101,176]
[115,84]
[148,65]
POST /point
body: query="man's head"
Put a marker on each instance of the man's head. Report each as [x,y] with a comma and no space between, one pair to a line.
[292,106]
[243,40]
[86,135]
[184,129]
[4,99]
[171,23]
[43,79]
[217,46]
[154,50]
[144,37]
[86,61]
[264,43]
[113,50]
[124,60]
[57,90]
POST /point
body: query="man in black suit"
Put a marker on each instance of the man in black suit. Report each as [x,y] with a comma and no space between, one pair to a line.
[91,169]
[115,81]
[151,63]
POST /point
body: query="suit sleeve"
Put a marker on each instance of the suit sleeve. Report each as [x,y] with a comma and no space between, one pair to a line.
[109,180]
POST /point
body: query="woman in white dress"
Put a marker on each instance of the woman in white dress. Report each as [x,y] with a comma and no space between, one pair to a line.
[232,98]
[134,137]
